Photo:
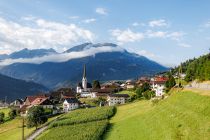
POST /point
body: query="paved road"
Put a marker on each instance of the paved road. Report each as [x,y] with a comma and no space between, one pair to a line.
[37,133]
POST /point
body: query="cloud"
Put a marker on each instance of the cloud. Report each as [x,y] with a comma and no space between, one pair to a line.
[126,36]
[63,56]
[158,23]
[73,17]
[101,11]
[156,34]
[146,53]
[184,45]
[165,34]
[40,34]
[138,24]
[89,20]
[207,24]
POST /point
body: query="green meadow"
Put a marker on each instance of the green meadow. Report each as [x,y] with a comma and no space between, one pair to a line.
[184,115]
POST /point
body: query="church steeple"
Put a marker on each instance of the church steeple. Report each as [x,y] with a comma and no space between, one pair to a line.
[84,71]
[84,79]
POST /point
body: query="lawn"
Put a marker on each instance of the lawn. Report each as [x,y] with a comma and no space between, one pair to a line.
[184,115]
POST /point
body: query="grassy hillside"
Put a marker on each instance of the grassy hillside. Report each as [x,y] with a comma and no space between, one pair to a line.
[12,130]
[185,115]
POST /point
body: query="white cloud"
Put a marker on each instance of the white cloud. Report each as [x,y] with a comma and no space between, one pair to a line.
[126,36]
[156,34]
[62,57]
[175,35]
[184,45]
[43,34]
[158,23]
[146,53]
[207,24]
[73,17]
[101,11]
[89,20]
[135,24]
[138,24]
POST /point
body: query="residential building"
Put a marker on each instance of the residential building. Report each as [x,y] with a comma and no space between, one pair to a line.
[70,104]
[158,85]
[114,99]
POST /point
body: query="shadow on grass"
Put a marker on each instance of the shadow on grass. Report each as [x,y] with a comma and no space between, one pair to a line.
[107,131]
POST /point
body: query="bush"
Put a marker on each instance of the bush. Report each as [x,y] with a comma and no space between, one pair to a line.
[2,115]
[12,114]
[48,111]
[148,94]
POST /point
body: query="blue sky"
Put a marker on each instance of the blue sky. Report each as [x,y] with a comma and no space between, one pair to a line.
[166,31]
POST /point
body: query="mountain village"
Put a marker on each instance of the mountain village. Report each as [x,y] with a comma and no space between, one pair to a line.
[106,94]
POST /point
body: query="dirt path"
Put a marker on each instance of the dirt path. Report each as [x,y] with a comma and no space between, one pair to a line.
[37,133]
[40,130]
[205,92]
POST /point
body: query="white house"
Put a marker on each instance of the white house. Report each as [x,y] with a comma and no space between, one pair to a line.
[114,99]
[158,85]
[130,84]
[70,104]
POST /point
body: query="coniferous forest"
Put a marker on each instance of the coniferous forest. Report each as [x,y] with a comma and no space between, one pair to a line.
[197,68]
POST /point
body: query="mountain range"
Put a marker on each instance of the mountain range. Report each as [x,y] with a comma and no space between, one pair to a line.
[13,88]
[104,61]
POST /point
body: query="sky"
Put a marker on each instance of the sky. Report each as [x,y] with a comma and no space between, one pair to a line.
[168,32]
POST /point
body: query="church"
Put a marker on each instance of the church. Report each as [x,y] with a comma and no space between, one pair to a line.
[83,88]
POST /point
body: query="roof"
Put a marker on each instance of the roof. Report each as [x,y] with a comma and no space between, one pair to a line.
[106,90]
[41,101]
[72,100]
[88,85]
[119,95]
[32,98]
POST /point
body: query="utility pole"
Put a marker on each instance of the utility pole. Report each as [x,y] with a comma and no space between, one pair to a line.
[23,129]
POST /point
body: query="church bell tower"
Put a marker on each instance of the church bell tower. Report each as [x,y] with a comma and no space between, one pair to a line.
[84,79]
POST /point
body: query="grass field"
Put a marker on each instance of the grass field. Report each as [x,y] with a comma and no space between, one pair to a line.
[12,130]
[185,115]
[5,111]
[83,131]
[81,124]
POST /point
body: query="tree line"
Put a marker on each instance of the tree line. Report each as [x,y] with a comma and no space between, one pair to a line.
[196,68]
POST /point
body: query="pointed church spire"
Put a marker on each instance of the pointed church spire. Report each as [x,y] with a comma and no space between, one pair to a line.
[84,72]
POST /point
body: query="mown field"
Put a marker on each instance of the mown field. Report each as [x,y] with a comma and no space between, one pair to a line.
[12,129]
[184,115]
[82,124]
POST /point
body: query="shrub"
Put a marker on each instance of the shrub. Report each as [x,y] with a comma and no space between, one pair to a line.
[12,114]
[2,115]
[148,94]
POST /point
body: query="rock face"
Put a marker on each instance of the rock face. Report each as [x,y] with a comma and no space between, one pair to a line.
[110,65]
